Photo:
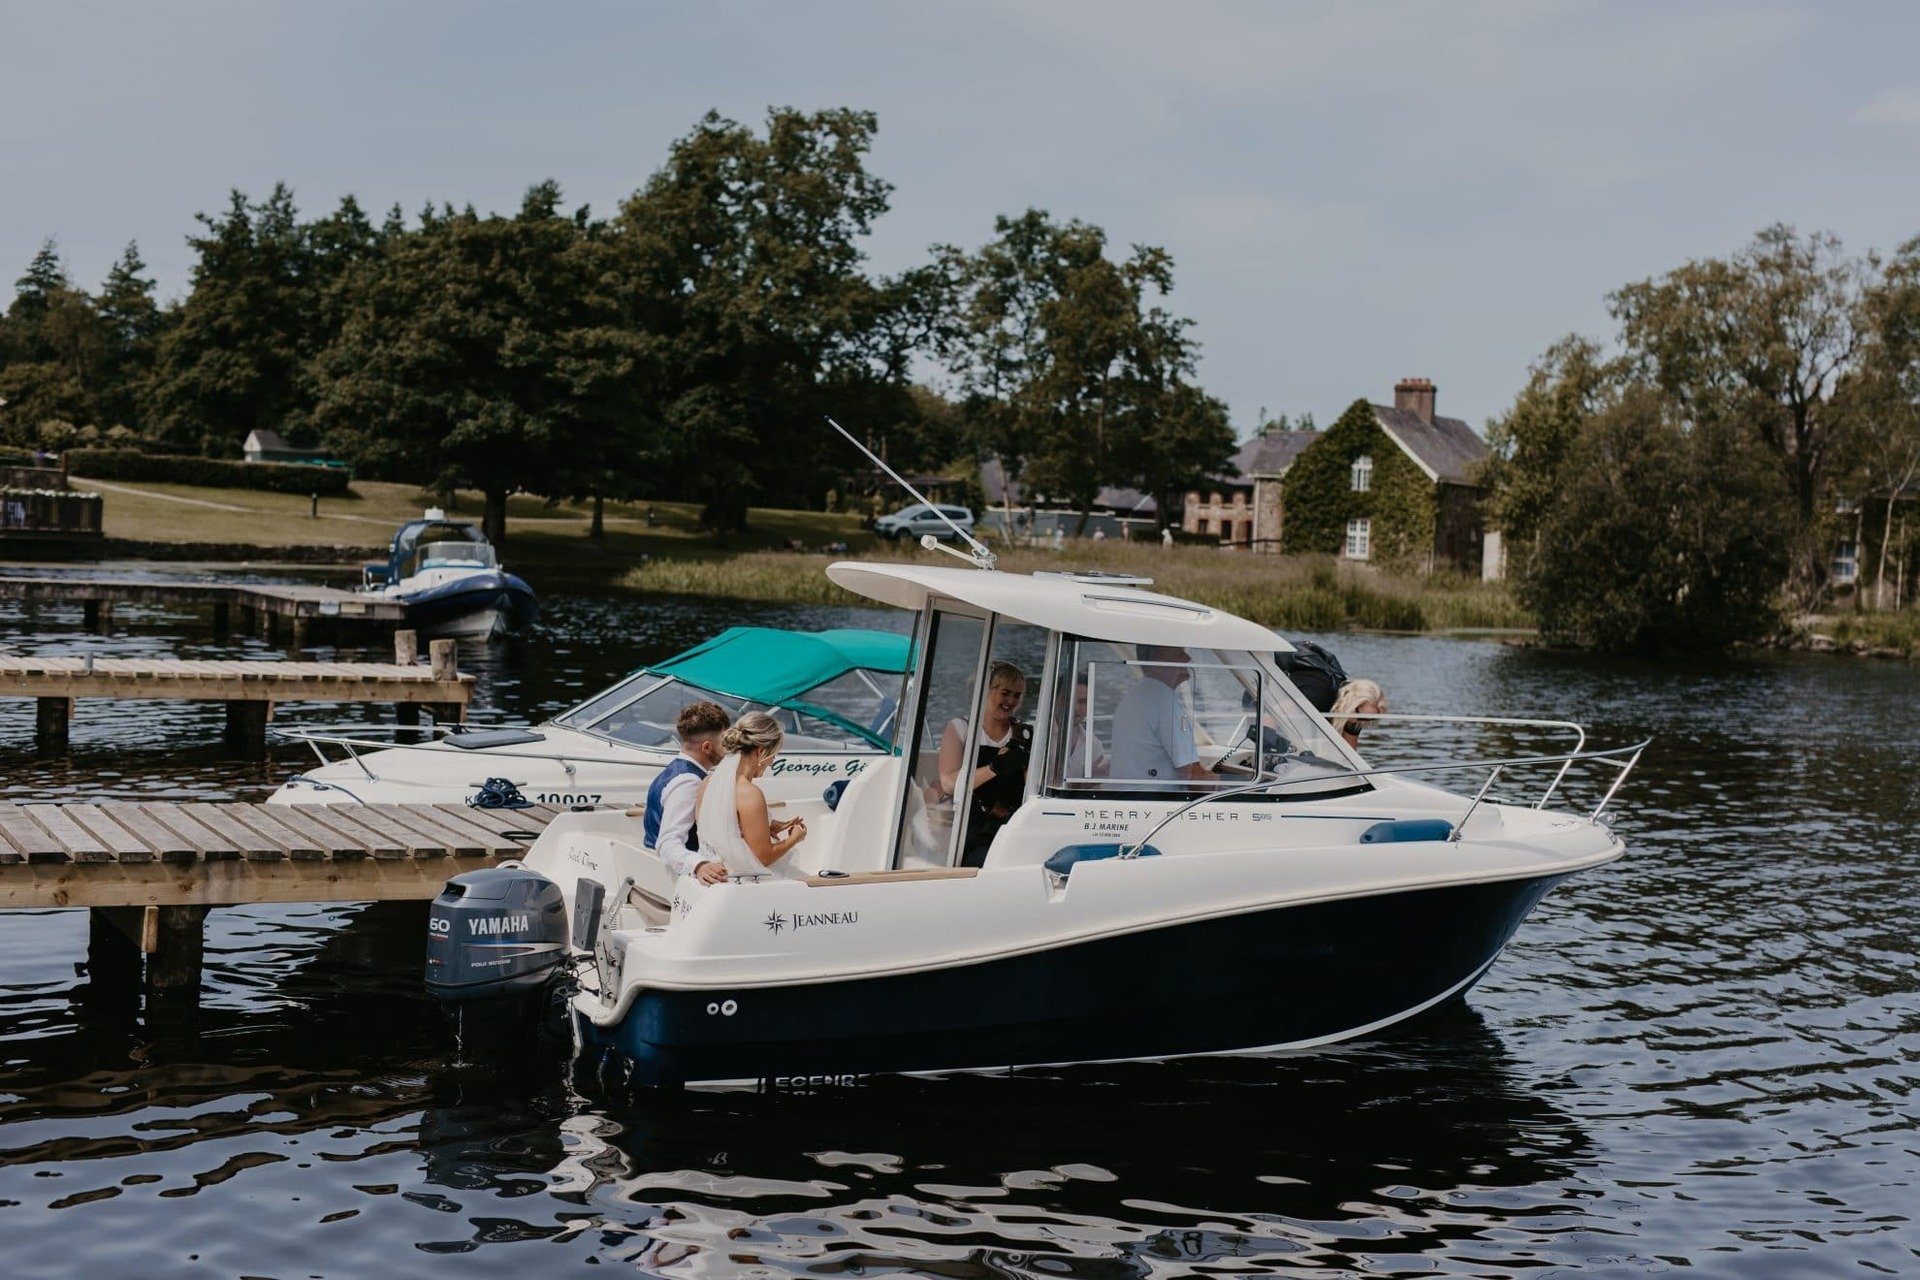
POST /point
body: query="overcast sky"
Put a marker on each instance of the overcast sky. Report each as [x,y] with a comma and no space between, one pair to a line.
[1351,193]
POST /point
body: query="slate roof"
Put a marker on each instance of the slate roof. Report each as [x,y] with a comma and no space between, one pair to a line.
[1447,449]
[1124,501]
[1267,455]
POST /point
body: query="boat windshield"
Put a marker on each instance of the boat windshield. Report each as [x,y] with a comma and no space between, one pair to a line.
[450,555]
[855,711]
[1144,720]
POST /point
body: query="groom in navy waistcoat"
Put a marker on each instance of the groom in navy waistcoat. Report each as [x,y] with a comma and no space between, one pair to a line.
[668,829]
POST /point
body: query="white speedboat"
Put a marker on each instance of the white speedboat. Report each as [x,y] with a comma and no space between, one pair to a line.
[447,574]
[1287,896]
[837,694]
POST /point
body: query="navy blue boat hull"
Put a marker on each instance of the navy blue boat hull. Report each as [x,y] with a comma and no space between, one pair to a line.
[1290,976]
[454,605]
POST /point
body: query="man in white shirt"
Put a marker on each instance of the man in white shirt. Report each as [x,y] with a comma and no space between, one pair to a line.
[1152,728]
[668,828]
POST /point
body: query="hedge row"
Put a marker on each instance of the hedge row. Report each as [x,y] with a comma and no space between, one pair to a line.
[215,473]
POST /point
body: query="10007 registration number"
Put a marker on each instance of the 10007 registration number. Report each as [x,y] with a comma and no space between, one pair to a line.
[567,797]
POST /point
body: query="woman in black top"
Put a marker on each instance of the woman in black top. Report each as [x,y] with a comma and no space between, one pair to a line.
[1000,754]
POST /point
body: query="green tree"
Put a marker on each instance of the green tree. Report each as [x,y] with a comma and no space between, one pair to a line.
[743,265]
[1761,340]
[1070,369]
[1531,442]
[132,322]
[1662,534]
[488,352]
[51,348]
[1882,395]
[263,303]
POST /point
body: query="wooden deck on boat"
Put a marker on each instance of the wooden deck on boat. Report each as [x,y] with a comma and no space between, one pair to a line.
[168,854]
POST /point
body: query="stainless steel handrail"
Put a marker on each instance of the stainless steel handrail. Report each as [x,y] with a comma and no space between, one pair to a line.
[363,738]
[1579,732]
[1609,756]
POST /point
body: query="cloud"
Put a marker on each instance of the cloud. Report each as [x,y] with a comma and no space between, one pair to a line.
[1893,106]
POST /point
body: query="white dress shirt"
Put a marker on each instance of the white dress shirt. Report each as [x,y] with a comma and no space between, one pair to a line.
[676,823]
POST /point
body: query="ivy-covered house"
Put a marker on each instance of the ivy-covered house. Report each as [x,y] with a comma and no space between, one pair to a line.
[1392,485]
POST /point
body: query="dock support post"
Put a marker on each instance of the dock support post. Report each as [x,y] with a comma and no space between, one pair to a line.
[406,648]
[445,658]
[247,727]
[113,952]
[97,614]
[222,617]
[301,625]
[170,940]
[50,721]
[269,626]
[179,946]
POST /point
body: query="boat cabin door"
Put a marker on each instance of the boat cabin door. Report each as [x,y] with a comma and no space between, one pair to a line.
[970,706]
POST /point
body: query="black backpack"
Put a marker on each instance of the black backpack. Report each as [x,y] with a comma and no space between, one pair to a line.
[1315,672]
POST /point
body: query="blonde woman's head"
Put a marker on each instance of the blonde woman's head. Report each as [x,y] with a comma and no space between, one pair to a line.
[753,733]
[1361,696]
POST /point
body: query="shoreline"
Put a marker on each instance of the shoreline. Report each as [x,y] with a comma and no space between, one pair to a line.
[1288,595]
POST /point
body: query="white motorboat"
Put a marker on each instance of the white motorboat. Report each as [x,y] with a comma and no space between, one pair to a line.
[836,693]
[1289,896]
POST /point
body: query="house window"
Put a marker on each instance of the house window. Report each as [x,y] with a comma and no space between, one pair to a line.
[1846,563]
[1203,525]
[1362,473]
[1359,539]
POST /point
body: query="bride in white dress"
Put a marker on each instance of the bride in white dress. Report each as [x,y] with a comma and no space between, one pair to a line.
[732,810]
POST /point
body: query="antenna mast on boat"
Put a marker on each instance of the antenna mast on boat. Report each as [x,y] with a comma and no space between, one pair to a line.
[981,557]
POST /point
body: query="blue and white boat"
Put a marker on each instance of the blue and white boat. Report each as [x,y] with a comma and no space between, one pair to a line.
[1277,892]
[451,580]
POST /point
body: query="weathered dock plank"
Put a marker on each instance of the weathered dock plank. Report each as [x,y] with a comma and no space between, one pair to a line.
[207,680]
[249,689]
[297,601]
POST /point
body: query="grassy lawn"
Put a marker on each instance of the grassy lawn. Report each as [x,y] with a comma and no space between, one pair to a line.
[1300,593]
[536,533]
[550,545]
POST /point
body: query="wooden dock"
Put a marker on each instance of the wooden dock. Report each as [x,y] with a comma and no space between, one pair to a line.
[250,689]
[149,872]
[264,607]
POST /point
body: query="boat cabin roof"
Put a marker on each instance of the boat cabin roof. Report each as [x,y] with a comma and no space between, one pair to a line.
[1078,605]
[769,665]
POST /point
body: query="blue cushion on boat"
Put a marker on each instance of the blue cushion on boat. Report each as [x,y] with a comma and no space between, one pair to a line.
[1401,830]
[1062,863]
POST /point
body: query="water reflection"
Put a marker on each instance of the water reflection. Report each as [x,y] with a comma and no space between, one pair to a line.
[1384,1148]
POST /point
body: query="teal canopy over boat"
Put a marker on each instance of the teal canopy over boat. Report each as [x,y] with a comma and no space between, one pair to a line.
[763,664]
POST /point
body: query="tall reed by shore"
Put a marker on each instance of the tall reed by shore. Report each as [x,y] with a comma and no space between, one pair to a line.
[1292,593]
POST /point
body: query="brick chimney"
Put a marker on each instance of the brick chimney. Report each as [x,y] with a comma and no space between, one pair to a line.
[1415,395]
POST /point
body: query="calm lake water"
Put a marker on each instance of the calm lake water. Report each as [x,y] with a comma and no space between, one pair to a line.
[1703,1058]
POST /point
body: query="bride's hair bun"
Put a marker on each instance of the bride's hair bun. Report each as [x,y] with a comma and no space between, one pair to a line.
[754,731]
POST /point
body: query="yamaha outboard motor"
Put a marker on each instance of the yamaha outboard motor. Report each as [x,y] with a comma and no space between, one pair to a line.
[496,939]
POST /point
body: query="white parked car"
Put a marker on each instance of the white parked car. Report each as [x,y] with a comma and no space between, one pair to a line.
[921,517]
